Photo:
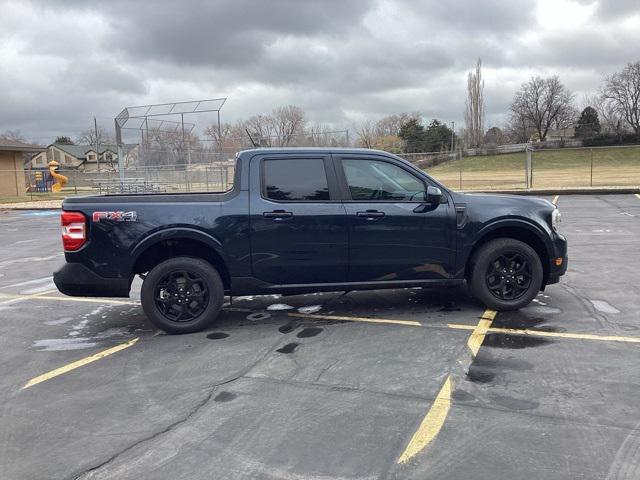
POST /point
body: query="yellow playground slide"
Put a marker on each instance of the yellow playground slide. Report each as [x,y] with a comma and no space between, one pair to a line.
[61,180]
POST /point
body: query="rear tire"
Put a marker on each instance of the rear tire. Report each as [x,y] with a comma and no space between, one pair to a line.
[506,274]
[182,295]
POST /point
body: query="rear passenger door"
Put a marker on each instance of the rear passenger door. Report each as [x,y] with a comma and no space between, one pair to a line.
[393,236]
[298,223]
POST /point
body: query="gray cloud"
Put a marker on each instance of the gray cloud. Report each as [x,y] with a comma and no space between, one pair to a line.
[342,60]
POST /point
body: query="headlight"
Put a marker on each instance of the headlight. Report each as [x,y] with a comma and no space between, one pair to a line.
[556,218]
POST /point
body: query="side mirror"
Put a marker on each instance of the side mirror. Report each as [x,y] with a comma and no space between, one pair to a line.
[433,195]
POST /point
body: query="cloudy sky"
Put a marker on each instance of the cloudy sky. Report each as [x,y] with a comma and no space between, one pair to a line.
[63,62]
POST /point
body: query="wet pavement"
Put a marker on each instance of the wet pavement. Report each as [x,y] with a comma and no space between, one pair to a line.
[329,385]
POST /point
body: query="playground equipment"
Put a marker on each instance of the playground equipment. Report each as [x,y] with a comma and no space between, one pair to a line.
[61,180]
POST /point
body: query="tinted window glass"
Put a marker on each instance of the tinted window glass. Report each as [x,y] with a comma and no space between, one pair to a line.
[376,180]
[299,179]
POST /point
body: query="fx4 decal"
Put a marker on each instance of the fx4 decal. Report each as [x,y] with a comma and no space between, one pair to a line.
[115,216]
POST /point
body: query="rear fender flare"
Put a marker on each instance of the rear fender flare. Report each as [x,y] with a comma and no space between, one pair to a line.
[175,233]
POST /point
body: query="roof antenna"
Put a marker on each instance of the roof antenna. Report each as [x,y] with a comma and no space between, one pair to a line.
[251,138]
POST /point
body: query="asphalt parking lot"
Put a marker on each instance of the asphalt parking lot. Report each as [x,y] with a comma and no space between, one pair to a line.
[411,383]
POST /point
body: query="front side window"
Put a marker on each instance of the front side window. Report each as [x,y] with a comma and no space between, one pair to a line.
[381,181]
[302,179]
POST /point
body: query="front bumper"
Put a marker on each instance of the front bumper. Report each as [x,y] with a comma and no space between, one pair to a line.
[556,271]
[76,280]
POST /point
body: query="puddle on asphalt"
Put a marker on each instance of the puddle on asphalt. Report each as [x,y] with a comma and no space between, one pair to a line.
[462,396]
[289,327]
[479,375]
[224,397]
[604,307]
[505,340]
[288,348]
[217,335]
[488,361]
[309,332]
[254,317]
[517,322]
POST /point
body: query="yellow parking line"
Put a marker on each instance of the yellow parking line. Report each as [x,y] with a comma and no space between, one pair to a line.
[13,297]
[431,423]
[555,199]
[439,410]
[357,319]
[477,337]
[578,336]
[479,331]
[79,363]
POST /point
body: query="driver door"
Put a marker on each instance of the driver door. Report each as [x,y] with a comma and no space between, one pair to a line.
[389,238]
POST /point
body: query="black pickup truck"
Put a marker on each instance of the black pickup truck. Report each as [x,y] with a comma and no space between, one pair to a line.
[306,220]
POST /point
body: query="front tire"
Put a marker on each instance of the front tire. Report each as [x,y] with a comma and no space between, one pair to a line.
[506,274]
[182,295]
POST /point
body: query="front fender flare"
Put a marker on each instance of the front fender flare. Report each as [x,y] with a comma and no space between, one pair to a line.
[509,223]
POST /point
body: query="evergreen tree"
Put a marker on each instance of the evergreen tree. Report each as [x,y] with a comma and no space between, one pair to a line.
[588,123]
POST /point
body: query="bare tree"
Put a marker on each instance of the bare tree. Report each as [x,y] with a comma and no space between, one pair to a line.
[518,129]
[366,133]
[622,91]
[261,128]
[89,137]
[474,112]
[15,135]
[230,138]
[288,123]
[610,119]
[391,124]
[542,103]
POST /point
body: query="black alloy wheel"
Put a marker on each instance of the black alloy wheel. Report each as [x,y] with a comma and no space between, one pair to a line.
[181,296]
[508,276]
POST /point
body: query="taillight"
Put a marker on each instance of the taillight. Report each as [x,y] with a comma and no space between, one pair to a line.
[74,230]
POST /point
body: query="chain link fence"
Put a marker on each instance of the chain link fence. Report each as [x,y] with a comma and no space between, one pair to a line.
[547,168]
[508,169]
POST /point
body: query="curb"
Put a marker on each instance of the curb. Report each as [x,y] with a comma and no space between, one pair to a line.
[562,191]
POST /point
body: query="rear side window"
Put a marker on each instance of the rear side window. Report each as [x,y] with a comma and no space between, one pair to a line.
[302,179]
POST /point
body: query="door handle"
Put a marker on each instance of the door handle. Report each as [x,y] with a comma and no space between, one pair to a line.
[370,214]
[277,214]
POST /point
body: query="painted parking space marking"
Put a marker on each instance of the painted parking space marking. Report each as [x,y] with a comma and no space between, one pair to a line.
[543,333]
[431,423]
[10,299]
[638,195]
[15,297]
[439,409]
[411,323]
[78,363]
[555,199]
[477,336]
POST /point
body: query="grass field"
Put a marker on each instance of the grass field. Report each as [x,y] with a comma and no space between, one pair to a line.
[614,166]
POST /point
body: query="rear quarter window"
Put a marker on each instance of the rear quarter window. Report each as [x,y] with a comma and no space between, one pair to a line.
[302,179]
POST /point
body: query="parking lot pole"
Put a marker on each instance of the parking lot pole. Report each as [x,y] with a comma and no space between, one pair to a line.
[591,150]
[527,170]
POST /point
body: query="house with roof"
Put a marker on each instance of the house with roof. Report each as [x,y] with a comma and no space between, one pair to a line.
[77,157]
[12,178]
